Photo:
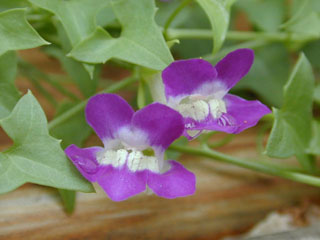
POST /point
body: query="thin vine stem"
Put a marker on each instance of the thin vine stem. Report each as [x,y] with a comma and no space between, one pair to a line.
[80,106]
[173,33]
[173,16]
[252,165]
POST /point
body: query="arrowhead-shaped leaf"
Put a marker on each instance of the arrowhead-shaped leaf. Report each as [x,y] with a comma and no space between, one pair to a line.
[78,18]
[141,41]
[16,33]
[35,156]
[291,131]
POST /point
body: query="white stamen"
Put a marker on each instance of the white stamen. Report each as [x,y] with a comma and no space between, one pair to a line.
[217,107]
[197,110]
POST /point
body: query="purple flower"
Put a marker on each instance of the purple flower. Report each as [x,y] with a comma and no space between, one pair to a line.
[199,92]
[134,145]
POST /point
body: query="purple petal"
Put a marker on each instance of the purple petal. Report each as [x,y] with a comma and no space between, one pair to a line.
[184,77]
[121,183]
[162,124]
[245,113]
[177,182]
[106,113]
[85,160]
[234,66]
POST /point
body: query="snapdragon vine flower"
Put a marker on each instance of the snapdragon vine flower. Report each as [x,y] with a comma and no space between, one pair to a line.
[199,92]
[133,152]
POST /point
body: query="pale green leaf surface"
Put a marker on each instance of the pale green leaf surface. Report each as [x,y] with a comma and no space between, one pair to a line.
[291,131]
[9,95]
[141,41]
[78,18]
[8,4]
[218,12]
[16,33]
[35,156]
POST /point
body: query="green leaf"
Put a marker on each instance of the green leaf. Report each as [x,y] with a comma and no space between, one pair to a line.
[267,15]
[218,12]
[76,71]
[316,95]
[305,20]
[291,131]
[8,4]
[9,95]
[75,130]
[35,156]
[16,33]
[78,18]
[314,147]
[268,74]
[68,199]
[312,51]
[141,41]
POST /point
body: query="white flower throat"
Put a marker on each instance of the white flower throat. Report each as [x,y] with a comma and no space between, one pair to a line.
[131,148]
[134,159]
[199,107]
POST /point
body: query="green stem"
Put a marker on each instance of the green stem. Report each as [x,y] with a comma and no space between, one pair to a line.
[173,16]
[252,165]
[173,33]
[80,106]
[222,142]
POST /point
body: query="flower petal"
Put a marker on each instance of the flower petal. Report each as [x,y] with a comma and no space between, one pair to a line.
[241,114]
[182,78]
[121,183]
[85,160]
[106,113]
[246,113]
[177,182]
[162,124]
[234,66]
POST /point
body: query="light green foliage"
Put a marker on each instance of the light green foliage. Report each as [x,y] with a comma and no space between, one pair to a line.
[76,71]
[314,147]
[266,15]
[73,131]
[8,4]
[305,20]
[218,12]
[312,51]
[78,18]
[268,74]
[16,33]
[9,95]
[291,131]
[141,41]
[35,156]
